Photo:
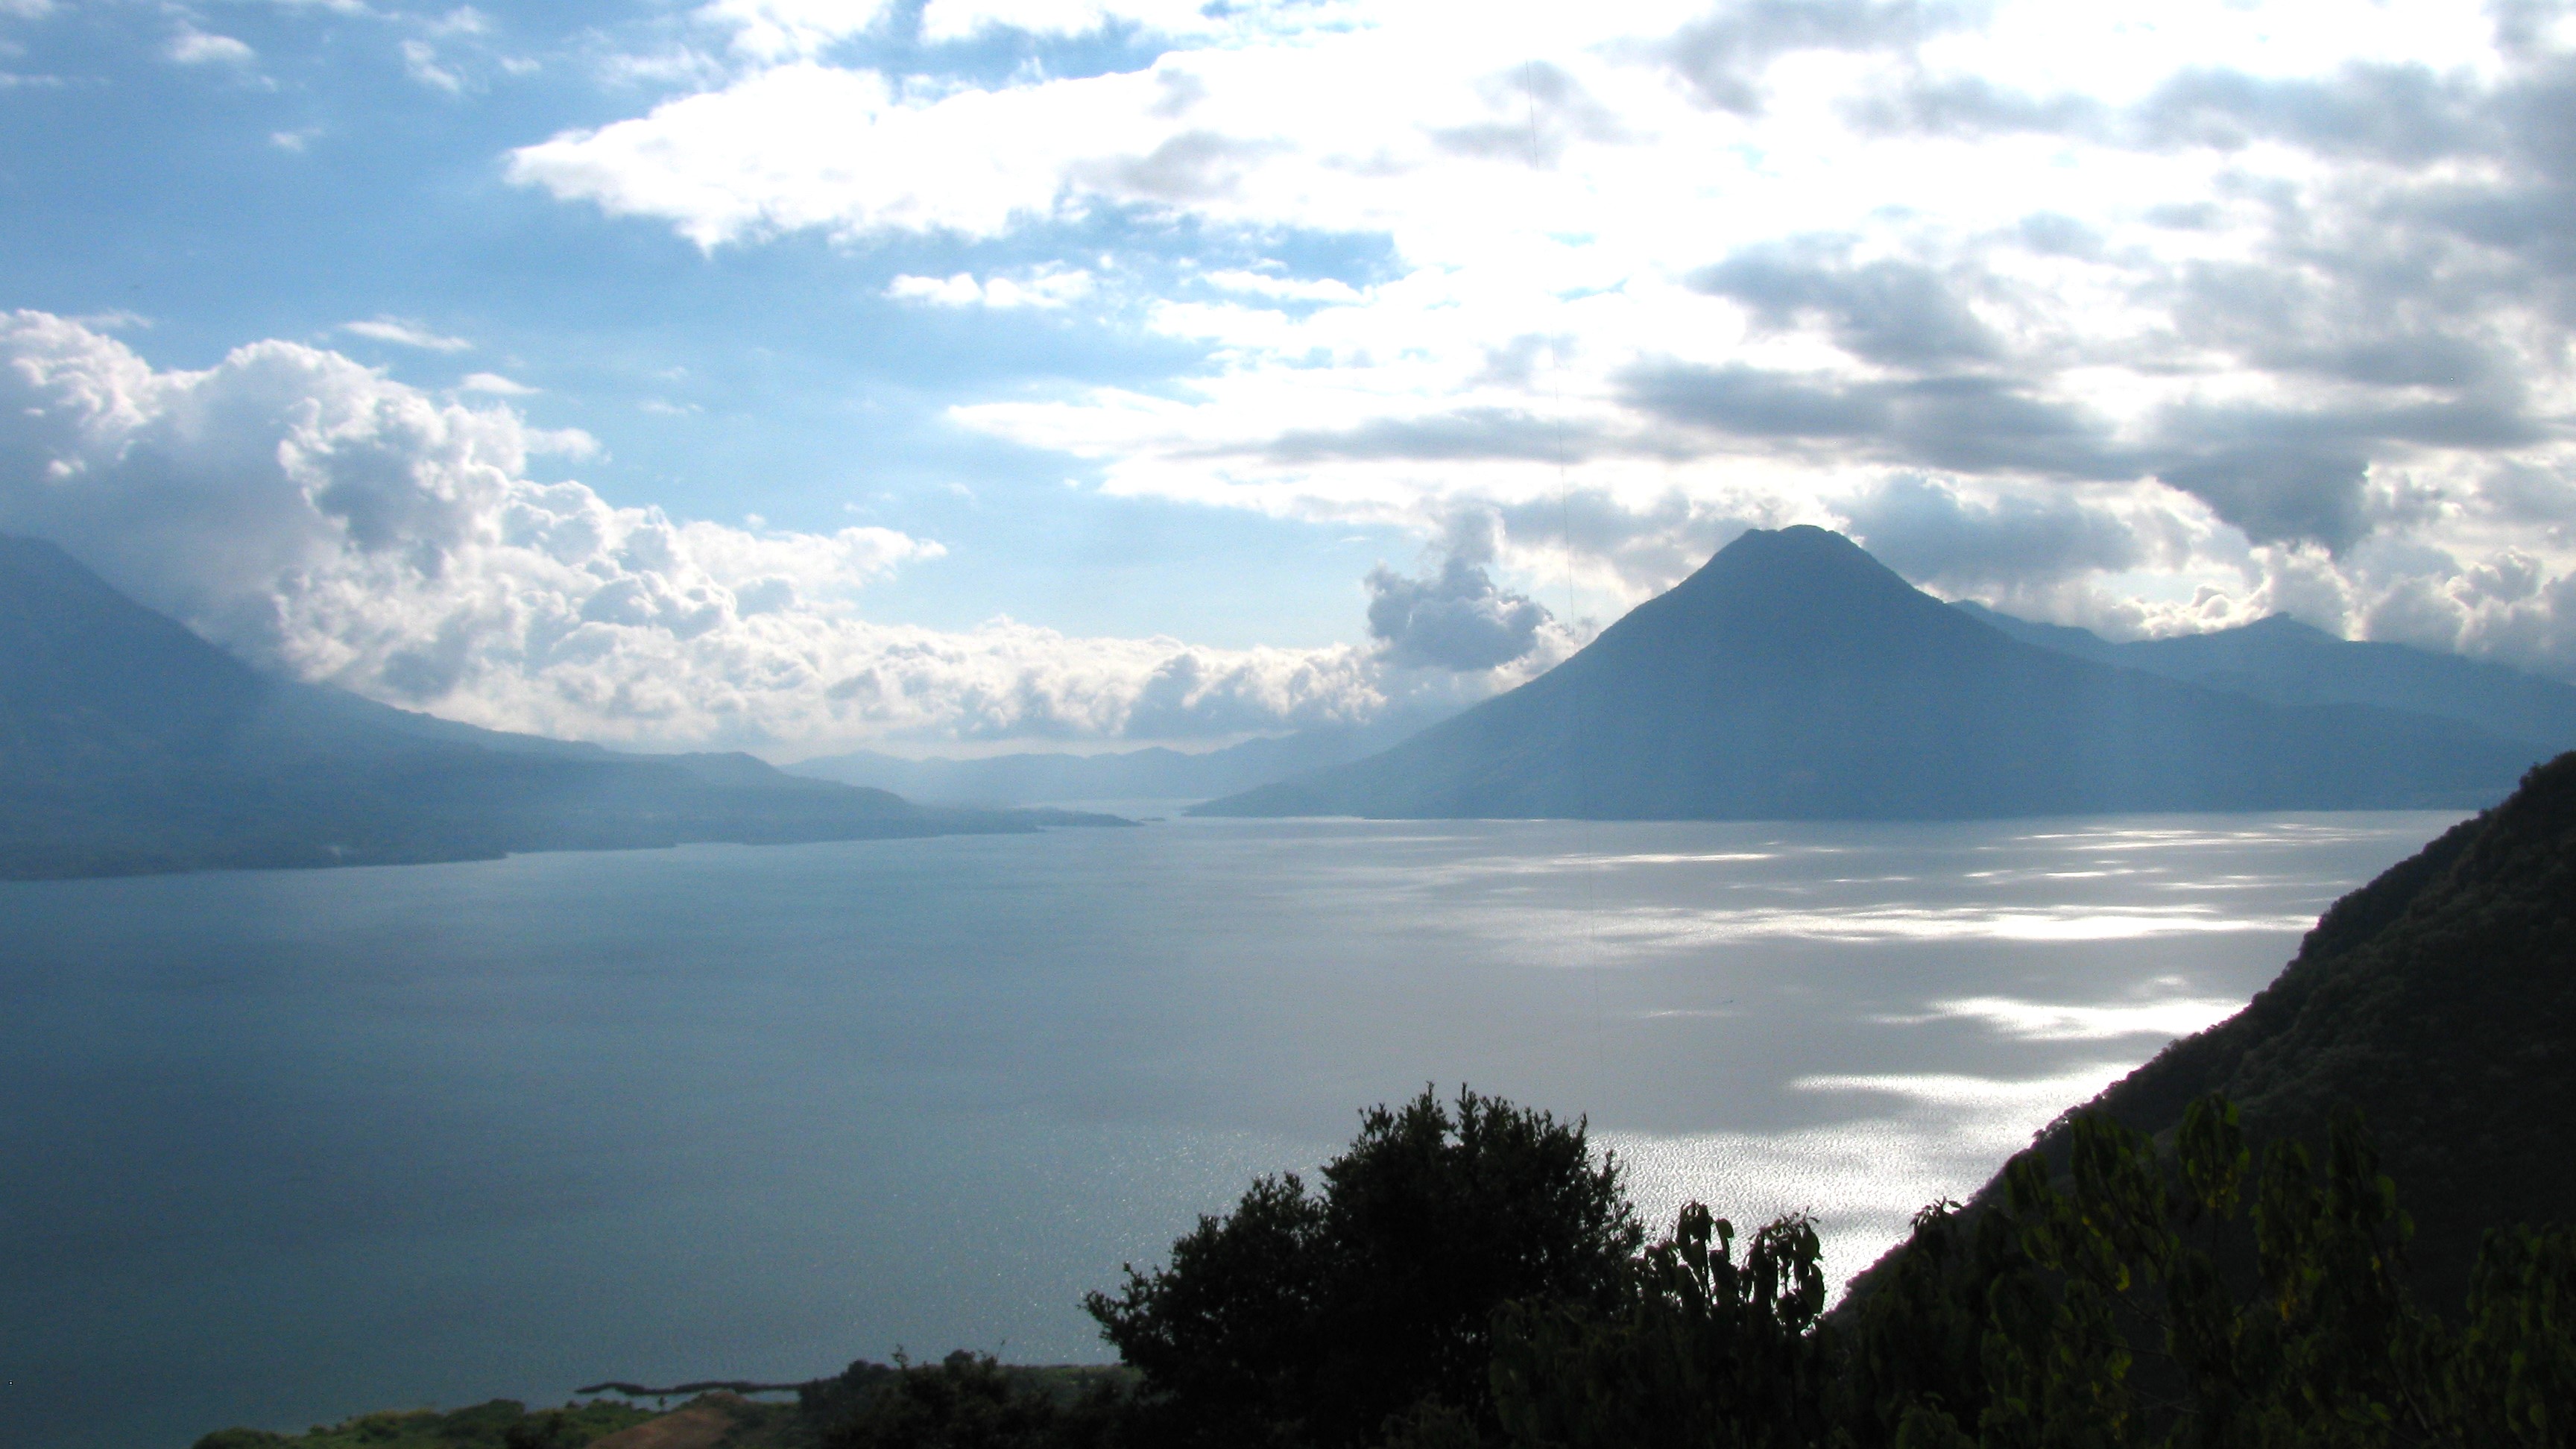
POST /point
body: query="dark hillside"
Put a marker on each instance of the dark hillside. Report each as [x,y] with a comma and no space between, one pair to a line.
[2440,999]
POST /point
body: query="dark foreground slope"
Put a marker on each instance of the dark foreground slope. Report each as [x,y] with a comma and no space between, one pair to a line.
[129,745]
[1794,677]
[2286,662]
[2440,999]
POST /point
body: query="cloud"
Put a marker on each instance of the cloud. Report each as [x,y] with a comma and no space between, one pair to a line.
[1332,291]
[1901,314]
[322,519]
[1231,129]
[1540,109]
[1927,531]
[1630,549]
[420,62]
[2405,113]
[1961,422]
[1971,106]
[1046,287]
[2522,494]
[803,145]
[1454,618]
[115,319]
[1474,434]
[2283,475]
[954,20]
[192,46]
[2282,295]
[2295,321]
[493,384]
[2506,606]
[1724,55]
[783,29]
[405,334]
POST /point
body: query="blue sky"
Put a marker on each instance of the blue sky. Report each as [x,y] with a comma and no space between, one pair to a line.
[959,374]
[322,181]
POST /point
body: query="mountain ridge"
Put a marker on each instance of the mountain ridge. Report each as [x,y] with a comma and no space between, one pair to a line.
[1154,772]
[130,746]
[2284,661]
[1795,677]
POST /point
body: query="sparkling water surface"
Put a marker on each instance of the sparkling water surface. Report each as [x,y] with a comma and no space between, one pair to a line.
[285,1146]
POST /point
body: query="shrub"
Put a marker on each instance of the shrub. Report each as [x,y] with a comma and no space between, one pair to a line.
[969,1401]
[1316,1318]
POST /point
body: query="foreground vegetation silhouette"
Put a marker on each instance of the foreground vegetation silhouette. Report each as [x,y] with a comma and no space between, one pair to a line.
[1471,1275]
[2144,1295]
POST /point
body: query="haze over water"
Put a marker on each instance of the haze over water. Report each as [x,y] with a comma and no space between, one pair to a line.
[288,1146]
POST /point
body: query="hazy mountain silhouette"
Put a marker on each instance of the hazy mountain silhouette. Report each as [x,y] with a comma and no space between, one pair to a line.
[1154,773]
[1795,677]
[128,744]
[2287,662]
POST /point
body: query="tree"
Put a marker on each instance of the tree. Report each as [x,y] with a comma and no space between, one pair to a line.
[970,1401]
[1316,1319]
[1706,1351]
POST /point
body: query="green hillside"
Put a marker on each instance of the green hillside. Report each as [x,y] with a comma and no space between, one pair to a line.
[2440,1001]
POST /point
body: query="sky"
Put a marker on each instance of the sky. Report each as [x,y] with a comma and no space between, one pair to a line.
[958,375]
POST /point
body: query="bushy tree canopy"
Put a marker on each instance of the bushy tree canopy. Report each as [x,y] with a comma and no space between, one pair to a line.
[1315,1318]
[1471,1276]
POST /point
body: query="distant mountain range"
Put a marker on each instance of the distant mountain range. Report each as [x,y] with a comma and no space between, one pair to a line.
[1795,677]
[1791,677]
[129,745]
[1149,774]
[2284,661]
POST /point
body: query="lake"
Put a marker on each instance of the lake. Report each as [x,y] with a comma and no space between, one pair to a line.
[285,1146]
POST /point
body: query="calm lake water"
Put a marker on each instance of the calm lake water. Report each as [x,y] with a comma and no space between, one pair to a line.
[281,1147]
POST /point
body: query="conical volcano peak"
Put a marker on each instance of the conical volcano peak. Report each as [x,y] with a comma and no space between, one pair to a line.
[1798,540]
[1795,677]
[1799,556]
[1775,588]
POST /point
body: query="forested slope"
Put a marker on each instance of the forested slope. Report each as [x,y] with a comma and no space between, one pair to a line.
[2440,1000]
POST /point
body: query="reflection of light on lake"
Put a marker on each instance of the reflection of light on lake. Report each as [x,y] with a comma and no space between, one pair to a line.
[2295,833]
[1930,923]
[2052,1021]
[1562,863]
[931,1092]
[1862,1179]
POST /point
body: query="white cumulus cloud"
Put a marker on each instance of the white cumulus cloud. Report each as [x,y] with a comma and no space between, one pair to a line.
[2146,316]
[192,46]
[402,333]
[1047,287]
[320,518]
